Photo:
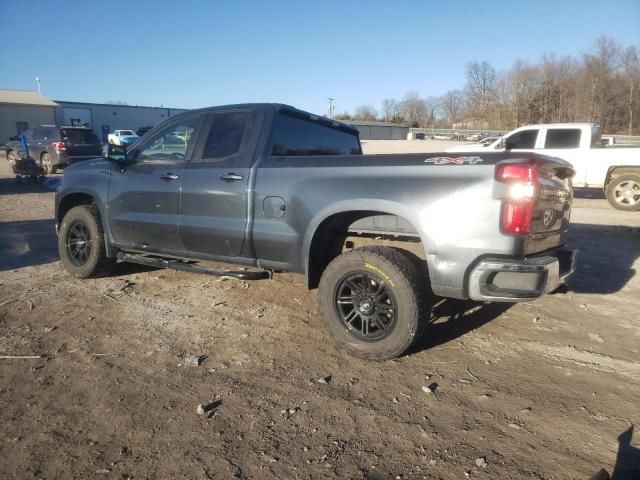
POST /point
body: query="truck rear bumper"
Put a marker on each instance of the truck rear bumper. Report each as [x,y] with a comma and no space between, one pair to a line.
[501,280]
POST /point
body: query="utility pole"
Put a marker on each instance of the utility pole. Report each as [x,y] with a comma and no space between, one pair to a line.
[331,107]
[38,82]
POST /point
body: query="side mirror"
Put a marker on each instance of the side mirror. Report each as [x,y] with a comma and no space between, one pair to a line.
[508,144]
[117,154]
[502,144]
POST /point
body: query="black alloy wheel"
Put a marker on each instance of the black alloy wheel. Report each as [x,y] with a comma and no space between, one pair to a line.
[78,242]
[365,305]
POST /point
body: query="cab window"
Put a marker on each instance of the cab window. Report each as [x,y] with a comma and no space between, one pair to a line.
[171,142]
[294,135]
[228,134]
[524,139]
[562,138]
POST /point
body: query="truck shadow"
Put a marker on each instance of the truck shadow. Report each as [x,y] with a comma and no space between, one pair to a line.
[595,193]
[9,186]
[606,258]
[27,243]
[452,318]
[605,266]
[34,242]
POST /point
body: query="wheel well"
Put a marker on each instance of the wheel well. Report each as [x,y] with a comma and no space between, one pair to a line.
[330,240]
[616,171]
[70,201]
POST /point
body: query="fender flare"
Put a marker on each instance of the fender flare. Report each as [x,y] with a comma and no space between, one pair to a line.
[101,208]
[383,207]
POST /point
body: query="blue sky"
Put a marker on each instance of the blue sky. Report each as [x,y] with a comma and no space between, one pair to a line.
[194,54]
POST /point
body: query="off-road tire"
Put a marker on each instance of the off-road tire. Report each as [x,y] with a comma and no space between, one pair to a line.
[11,157]
[611,192]
[97,264]
[401,276]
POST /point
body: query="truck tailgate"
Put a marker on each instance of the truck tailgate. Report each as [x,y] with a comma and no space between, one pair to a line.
[552,208]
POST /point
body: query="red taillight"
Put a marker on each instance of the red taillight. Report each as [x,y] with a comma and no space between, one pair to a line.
[517,208]
[517,173]
[516,216]
[59,146]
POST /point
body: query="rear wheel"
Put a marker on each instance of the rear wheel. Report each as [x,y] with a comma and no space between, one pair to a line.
[11,156]
[45,162]
[81,243]
[623,192]
[372,302]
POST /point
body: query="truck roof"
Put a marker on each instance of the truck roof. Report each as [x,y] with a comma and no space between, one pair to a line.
[563,125]
[276,107]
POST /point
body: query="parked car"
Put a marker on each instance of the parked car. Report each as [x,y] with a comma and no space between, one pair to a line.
[55,147]
[122,137]
[276,188]
[616,170]
[442,136]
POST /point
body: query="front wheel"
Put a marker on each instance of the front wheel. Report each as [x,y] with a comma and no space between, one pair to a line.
[623,192]
[372,302]
[81,243]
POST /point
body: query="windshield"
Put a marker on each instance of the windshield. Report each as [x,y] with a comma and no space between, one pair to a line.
[126,132]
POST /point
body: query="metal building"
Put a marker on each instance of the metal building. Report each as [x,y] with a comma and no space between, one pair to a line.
[370,130]
[104,118]
[22,109]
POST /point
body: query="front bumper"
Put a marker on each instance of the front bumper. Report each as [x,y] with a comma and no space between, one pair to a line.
[500,280]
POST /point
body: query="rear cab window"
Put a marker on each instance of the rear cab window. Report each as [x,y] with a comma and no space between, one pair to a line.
[228,135]
[562,138]
[300,135]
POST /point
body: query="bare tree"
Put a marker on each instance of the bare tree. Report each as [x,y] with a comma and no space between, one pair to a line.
[452,104]
[365,112]
[631,65]
[481,79]
[389,108]
[431,105]
[413,109]
[342,116]
[602,85]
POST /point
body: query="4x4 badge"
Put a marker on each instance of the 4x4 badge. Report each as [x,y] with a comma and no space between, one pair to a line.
[453,160]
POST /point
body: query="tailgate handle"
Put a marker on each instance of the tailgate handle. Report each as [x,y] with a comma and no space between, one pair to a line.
[231,177]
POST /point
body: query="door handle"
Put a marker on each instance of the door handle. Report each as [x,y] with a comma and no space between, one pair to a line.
[231,177]
[170,176]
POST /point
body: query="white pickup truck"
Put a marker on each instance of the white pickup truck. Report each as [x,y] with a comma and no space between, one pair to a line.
[616,170]
[121,137]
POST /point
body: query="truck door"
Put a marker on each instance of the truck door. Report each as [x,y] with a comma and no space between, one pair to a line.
[215,185]
[144,199]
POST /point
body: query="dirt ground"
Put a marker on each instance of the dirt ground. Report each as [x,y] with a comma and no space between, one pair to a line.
[548,389]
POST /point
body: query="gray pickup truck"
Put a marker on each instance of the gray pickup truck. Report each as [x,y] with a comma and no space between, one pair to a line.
[274,188]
